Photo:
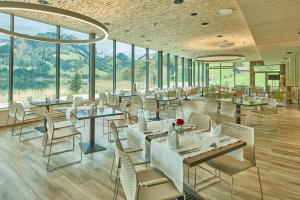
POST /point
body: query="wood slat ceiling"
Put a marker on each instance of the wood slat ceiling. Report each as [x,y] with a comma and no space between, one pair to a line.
[255,28]
[275,26]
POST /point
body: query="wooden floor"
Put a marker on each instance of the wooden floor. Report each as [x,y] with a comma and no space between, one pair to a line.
[23,173]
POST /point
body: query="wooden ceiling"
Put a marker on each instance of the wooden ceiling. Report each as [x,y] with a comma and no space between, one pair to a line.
[275,27]
[254,29]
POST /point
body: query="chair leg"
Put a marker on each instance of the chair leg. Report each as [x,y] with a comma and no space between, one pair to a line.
[261,192]
[115,196]
[20,134]
[195,179]
[112,167]
[49,156]
[231,188]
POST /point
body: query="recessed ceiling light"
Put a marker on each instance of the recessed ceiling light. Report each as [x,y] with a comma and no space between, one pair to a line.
[194,14]
[299,32]
[204,23]
[289,52]
[148,40]
[175,47]
[154,23]
[225,12]
[43,2]
[107,23]
[219,35]
[127,30]
[166,44]
[143,36]
[178,1]
[285,58]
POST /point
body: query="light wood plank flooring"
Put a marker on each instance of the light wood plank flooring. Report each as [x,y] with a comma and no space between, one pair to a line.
[23,173]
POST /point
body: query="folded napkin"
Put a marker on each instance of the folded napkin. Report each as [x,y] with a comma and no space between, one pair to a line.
[173,139]
[216,132]
[68,113]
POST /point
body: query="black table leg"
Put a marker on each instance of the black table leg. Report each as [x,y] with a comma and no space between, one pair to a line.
[238,113]
[91,146]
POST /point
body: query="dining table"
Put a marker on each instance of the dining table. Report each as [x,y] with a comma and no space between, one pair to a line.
[47,103]
[194,148]
[158,100]
[91,114]
[239,103]
[126,95]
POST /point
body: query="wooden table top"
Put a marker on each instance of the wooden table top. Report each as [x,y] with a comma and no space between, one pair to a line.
[203,157]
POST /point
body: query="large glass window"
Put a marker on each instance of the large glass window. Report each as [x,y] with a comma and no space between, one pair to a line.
[140,68]
[179,73]
[153,68]
[34,62]
[74,65]
[214,74]
[165,71]
[172,71]
[186,72]
[104,66]
[123,66]
[227,74]
[242,74]
[4,60]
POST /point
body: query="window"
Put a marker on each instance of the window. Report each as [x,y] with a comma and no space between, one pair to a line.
[227,74]
[165,71]
[4,60]
[104,66]
[74,65]
[153,68]
[179,73]
[172,71]
[214,74]
[186,72]
[123,66]
[140,68]
[242,74]
[34,62]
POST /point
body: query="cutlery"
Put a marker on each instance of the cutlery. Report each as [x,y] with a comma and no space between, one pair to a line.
[224,139]
[189,151]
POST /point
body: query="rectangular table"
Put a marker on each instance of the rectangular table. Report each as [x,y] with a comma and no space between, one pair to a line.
[240,104]
[158,100]
[124,95]
[197,148]
[47,104]
[82,114]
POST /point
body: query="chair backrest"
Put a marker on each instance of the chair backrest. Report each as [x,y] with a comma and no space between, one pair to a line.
[179,92]
[202,122]
[128,177]
[103,97]
[150,104]
[243,133]
[227,109]
[171,93]
[123,106]
[133,112]
[112,100]
[49,124]
[137,100]
[12,109]
[70,98]
[20,112]
[78,101]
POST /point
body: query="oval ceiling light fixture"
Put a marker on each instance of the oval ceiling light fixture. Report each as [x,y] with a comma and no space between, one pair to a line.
[178,1]
[98,28]
[225,12]
[220,58]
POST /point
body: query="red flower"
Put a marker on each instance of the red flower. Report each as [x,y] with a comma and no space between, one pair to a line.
[179,122]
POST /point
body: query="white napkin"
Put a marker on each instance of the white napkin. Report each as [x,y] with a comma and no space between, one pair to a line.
[173,140]
[142,124]
[217,131]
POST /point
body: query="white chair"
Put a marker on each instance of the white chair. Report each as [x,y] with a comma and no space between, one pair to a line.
[11,115]
[53,135]
[202,122]
[119,147]
[112,101]
[131,119]
[230,165]
[22,118]
[103,98]
[144,185]
[70,98]
[122,108]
